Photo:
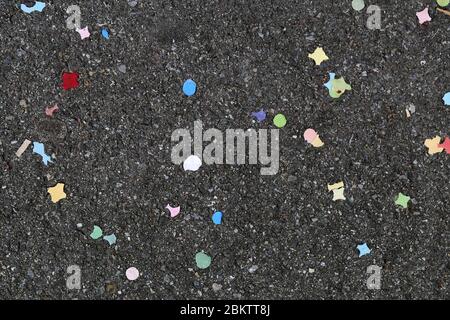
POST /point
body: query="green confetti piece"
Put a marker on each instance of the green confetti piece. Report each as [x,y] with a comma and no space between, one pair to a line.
[203,260]
[97,233]
[443,3]
[358,5]
[279,120]
[402,200]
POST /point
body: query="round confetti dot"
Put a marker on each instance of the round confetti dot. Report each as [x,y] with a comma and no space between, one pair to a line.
[203,260]
[189,87]
[358,5]
[132,273]
[443,3]
[279,120]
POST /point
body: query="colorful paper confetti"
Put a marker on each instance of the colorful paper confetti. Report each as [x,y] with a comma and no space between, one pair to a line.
[358,5]
[38,6]
[57,192]
[402,200]
[105,33]
[132,273]
[192,163]
[97,233]
[338,191]
[217,217]
[173,211]
[363,249]
[446,99]
[433,145]
[189,87]
[318,56]
[111,239]
[260,116]
[445,145]
[203,260]
[279,120]
[40,150]
[50,110]
[84,32]
[70,80]
[423,16]
[313,138]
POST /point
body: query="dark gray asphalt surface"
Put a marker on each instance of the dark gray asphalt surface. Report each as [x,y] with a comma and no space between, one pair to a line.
[111,140]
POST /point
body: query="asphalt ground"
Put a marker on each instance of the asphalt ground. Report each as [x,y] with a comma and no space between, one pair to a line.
[282,236]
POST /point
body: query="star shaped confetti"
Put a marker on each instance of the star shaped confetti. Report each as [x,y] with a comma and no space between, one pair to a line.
[84,33]
[423,16]
[338,194]
[446,99]
[402,200]
[433,145]
[318,56]
[39,149]
[445,145]
[363,249]
[57,192]
[336,86]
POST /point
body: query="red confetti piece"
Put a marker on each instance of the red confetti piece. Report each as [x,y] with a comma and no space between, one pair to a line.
[70,80]
[445,145]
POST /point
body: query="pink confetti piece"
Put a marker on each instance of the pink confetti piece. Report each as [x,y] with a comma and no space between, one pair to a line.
[132,273]
[173,211]
[50,110]
[84,33]
[310,135]
[423,16]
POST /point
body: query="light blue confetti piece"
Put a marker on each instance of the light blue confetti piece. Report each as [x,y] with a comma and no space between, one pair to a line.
[363,249]
[447,99]
[329,83]
[111,239]
[189,87]
[105,33]
[38,6]
[217,217]
[39,149]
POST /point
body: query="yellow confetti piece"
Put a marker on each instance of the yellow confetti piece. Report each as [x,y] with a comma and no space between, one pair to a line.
[335,186]
[57,192]
[338,194]
[318,56]
[317,143]
[433,145]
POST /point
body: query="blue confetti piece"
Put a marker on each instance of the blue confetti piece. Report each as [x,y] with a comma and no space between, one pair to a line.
[328,84]
[111,239]
[217,217]
[447,99]
[39,149]
[38,6]
[363,249]
[260,115]
[105,33]
[189,87]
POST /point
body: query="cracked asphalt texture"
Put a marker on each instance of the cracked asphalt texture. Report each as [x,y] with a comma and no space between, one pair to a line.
[282,236]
